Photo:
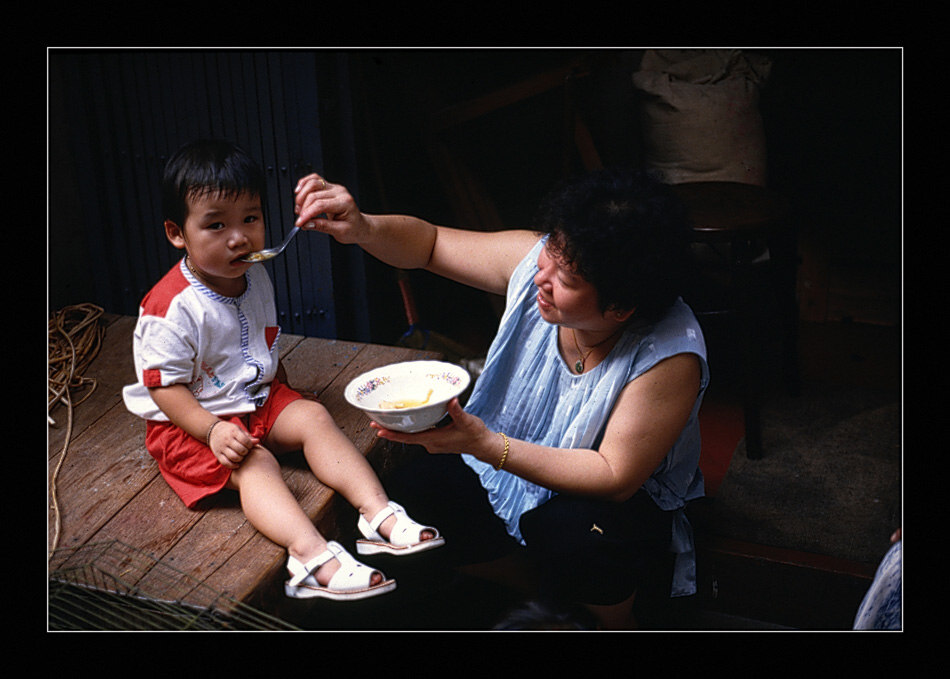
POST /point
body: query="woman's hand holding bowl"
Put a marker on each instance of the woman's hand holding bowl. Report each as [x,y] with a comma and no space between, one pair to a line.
[465,434]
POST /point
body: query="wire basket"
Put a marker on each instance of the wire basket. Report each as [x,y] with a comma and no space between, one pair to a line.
[111,586]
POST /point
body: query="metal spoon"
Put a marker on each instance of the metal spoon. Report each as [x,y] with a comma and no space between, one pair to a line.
[270,253]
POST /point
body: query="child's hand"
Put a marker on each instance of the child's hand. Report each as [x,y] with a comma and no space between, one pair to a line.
[230,443]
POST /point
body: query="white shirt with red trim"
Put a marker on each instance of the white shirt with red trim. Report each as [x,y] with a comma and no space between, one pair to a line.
[223,348]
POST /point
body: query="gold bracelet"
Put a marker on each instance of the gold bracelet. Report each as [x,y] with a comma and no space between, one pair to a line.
[504,455]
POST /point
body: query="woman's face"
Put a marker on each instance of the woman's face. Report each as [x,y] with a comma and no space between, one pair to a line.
[564,297]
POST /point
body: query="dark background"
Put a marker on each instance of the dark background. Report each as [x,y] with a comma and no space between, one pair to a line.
[833,121]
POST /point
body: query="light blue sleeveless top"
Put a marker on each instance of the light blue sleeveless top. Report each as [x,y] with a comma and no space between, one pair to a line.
[527,391]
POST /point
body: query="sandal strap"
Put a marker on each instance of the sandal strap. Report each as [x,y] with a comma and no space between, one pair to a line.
[352,573]
[381,516]
[300,571]
[406,530]
[403,527]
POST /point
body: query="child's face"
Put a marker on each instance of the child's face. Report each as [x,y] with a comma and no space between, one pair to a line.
[217,233]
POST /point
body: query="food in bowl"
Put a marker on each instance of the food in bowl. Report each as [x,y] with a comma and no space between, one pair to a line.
[410,396]
[406,402]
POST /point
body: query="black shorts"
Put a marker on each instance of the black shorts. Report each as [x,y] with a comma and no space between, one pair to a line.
[586,550]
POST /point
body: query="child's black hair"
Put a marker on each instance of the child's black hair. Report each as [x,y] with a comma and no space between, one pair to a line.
[208,166]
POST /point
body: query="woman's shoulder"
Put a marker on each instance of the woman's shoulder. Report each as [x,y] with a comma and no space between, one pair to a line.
[524,246]
[676,332]
[678,321]
[521,245]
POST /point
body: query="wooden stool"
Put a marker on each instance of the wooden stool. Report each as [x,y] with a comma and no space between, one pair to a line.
[740,221]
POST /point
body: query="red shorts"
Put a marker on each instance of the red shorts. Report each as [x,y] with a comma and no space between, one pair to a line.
[189,466]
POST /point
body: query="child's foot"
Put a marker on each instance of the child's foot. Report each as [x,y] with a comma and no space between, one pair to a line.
[334,574]
[324,574]
[391,531]
[386,530]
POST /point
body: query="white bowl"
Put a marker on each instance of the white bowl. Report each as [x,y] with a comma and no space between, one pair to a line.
[410,396]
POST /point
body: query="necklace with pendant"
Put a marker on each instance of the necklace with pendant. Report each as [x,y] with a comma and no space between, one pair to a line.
[579,363]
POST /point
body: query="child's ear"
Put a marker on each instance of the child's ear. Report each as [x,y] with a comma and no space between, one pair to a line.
[175,234]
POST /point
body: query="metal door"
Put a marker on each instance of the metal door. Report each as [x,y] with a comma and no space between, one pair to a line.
[128,110]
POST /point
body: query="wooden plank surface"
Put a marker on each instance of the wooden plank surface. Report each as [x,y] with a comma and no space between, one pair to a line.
[108,486]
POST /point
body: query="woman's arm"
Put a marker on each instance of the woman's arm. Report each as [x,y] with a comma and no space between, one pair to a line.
[484,260]
[646,420]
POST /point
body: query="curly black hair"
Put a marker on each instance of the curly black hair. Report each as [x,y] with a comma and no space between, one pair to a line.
[626,233]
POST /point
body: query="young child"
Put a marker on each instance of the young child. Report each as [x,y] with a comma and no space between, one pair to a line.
[215,398]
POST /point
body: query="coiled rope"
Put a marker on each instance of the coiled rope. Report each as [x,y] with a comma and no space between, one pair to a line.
[75,336]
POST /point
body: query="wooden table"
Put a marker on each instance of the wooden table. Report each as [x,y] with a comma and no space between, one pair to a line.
[109,490]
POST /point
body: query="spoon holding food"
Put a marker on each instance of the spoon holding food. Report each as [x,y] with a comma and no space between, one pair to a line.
[270,253]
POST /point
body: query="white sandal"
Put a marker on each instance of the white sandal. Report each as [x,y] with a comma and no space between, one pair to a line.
[406,536]
[351,581]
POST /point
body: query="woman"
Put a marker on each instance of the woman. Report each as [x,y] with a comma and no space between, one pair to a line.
[580,440]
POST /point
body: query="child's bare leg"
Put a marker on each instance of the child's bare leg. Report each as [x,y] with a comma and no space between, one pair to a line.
[273,510]
[332,457]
